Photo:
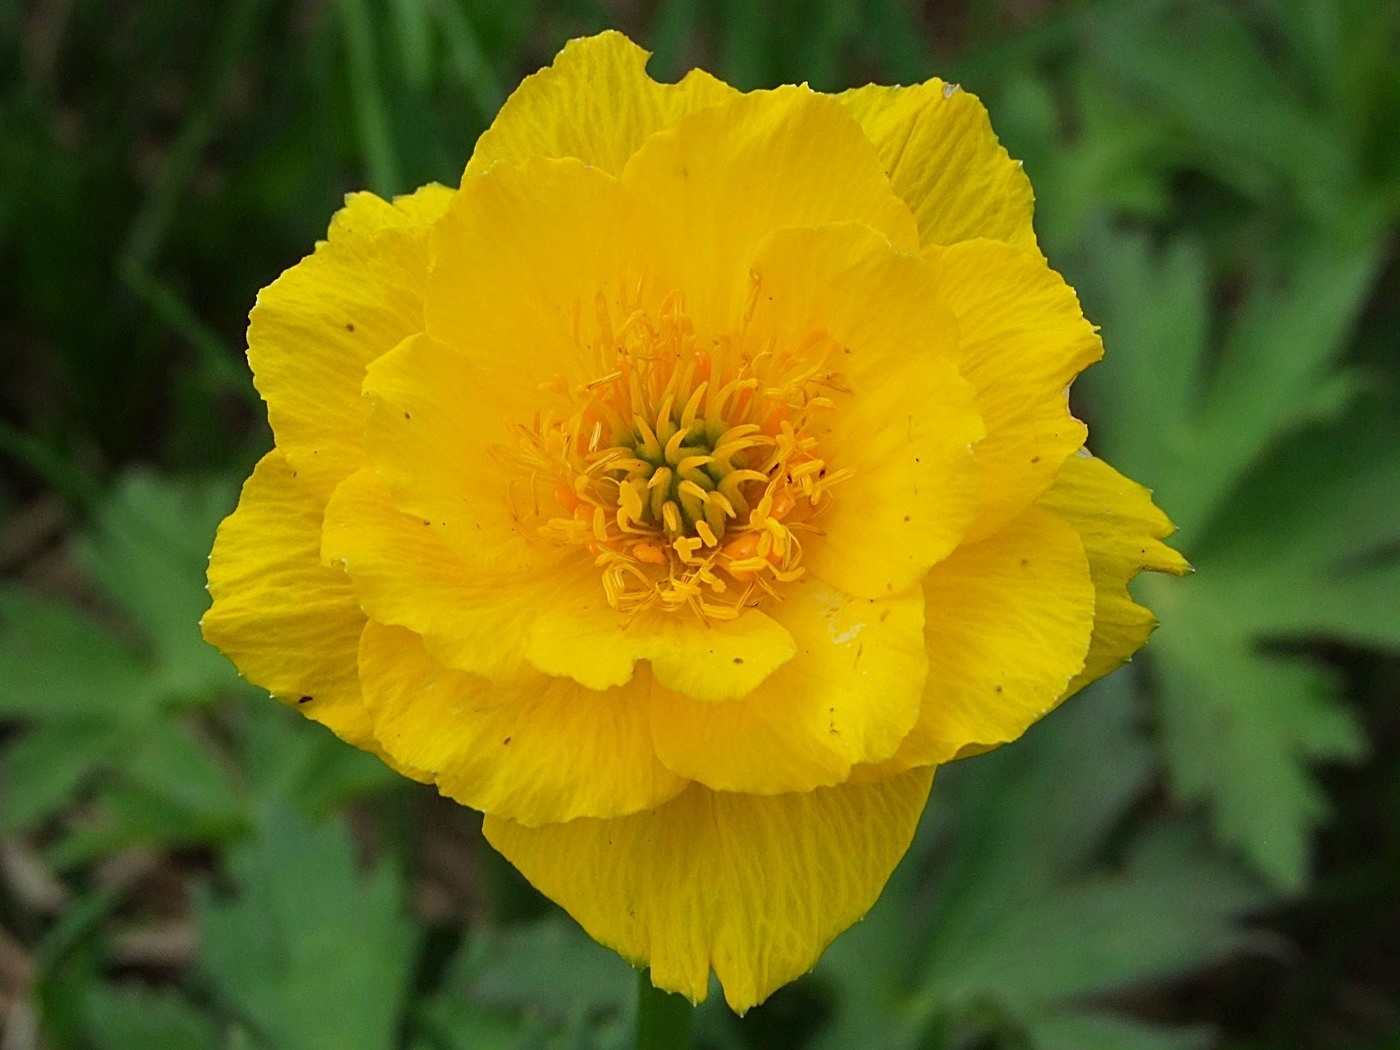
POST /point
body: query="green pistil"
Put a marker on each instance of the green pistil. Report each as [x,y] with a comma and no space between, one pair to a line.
[677,465]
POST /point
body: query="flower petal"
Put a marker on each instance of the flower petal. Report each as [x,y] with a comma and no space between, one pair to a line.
[1007,625]
[850,696]
[719,181]
[753,886]
[288,623]
[501,621]
[1121,530]
[316,327]
[1023,340]
[433,436]
[904,420]
[524,261]
[579,635]
[595,103]
[936,142]
[470,618]
[366,213]
[539,750]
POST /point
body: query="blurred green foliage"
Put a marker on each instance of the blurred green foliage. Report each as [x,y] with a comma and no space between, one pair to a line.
[1204,850]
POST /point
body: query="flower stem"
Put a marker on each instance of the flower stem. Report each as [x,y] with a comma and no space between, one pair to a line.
[663,1019]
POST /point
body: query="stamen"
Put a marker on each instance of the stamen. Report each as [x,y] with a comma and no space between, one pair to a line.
[684,470]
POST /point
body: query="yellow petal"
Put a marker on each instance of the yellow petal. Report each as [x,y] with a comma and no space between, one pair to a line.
[945,162]
[288,623]
[317,326]
[904,419]
[539,750]
[1007,626]
[494,620]
[1023,340]
[578,634]
[434,436]
[403,575]
[523,262]
[850,695]
[754,887]
[1121,530]
[718,182]
[366,213]
[595,103]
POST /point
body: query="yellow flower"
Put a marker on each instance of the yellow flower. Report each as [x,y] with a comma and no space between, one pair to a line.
[680,491]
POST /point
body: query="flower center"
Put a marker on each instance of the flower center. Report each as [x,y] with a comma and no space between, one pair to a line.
[690,473]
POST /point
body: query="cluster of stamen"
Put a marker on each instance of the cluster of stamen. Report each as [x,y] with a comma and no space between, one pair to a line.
[688,472]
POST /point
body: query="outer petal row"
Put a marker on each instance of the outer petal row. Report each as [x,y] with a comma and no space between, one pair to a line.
[754,887]
[595,103]
[316,328]
[1122,532]
[538,750]
[936,142]
[1023,340]
[290,625]
[1007,626]
[1009,621]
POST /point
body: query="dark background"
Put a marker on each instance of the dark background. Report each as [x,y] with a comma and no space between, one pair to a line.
[1204,850]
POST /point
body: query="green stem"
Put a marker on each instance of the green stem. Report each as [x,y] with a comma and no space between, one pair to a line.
[663,1019]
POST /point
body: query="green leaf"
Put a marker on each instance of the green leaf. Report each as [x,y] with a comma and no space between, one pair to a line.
[59,664]
[46,765]
[1098,929]
[1324,517]
[1202,65]
[127,815]
[164,789]
[1306,550]
[1144,396]
[538,984]
[1112,159]
[134,1017]
[467,61]
[1014,915]
[96,694]
[1096,1032]
[174,765]
[412,27]
[148,550]
[1240,744]
[457,1026]
[1290,515]
[170,792]
[508,968]
[377,144]
[1276,371]
[286,756]
[1195,436]
[308,949]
